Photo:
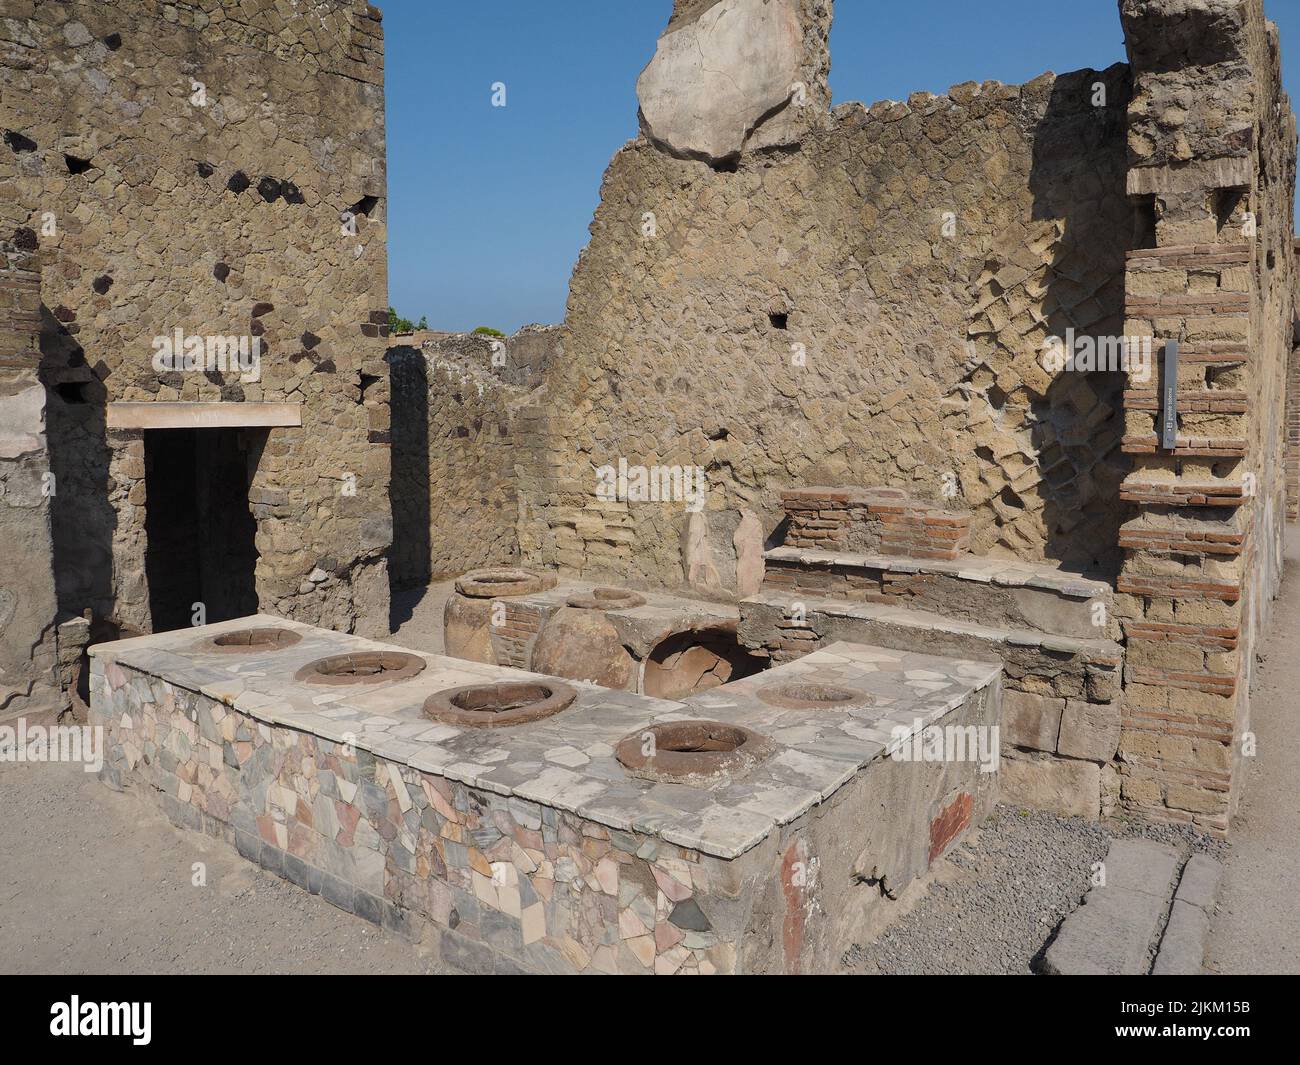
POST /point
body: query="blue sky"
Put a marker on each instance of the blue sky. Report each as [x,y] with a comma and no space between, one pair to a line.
[489,206]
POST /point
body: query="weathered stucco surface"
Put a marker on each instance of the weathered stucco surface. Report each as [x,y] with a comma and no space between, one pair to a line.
[28,643]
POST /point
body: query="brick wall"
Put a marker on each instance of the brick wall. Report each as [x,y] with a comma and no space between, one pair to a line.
[1202,553]
[870,520]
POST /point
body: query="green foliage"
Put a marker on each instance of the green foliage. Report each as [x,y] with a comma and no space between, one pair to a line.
[488,331]
[398,325]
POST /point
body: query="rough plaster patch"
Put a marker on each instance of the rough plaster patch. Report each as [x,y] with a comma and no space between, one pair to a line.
[22,417]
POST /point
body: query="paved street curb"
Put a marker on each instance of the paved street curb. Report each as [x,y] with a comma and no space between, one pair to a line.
[1151,915]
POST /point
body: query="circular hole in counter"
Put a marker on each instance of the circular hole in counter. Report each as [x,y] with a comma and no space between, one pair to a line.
[361,667]
[810,695]
[255,640]
[697,752]
[500,704]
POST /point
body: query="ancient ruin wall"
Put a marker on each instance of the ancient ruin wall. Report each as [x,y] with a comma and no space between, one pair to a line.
[1292,449]
[458,436]
[1272,314]
[27,593]
[1212,144]
[186,166]
[865,306]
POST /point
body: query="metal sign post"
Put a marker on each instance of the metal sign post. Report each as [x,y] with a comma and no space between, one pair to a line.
[1169,406]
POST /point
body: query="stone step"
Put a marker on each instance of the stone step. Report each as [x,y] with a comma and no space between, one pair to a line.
[916,625]
[999,593]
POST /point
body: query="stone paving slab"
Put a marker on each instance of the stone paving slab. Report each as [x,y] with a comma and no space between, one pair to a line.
[1143,866]
[1200,883]
[567,760]
[1182,948]
[1116,929]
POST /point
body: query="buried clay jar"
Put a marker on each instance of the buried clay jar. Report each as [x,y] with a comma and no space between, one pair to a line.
[467,617]
[698,753]
[501,704]
[257,640]
[606,599]
[362,667]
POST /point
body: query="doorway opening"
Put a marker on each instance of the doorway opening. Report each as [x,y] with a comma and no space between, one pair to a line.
[199,528]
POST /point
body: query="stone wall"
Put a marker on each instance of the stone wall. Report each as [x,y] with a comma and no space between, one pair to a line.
[217,169]
[863,302]
[27,597]
[1292,458]
[1212,143]
[459,431]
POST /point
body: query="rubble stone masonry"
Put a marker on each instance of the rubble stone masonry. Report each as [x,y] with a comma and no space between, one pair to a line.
[219,169]
[462,429]
[865,304]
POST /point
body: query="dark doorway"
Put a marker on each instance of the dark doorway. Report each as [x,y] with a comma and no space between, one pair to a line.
[409,567]
[198,524]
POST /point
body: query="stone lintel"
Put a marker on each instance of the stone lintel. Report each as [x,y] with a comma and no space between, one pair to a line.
[1231,172]
[194,415]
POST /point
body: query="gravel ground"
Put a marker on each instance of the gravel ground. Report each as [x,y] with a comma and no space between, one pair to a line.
[994,906]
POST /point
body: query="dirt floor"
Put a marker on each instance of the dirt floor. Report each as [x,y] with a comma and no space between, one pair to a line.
[417,617]
[92,881]
[99,882]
